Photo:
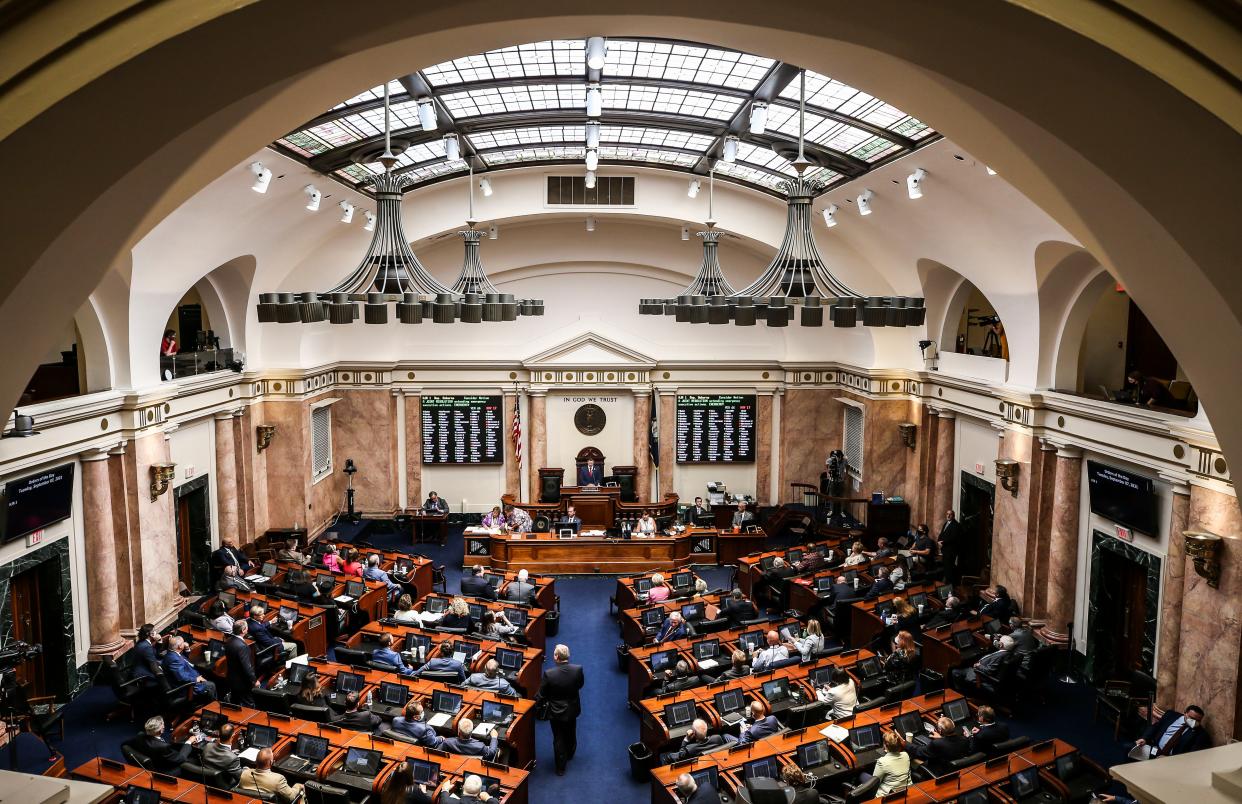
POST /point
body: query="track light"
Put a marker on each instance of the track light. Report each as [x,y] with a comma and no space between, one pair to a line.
[590,180]
[864,202]
[427,114]
[485,184]
[693,190]
[758,117]
[594,101]
[347,212]
[591,223]
[592,159]
[830,216]
[592,134]
[685,233]
[493,232]
[730,149]
[452,147]
[914,183]
[370,224]
[989,170]
[313,197]
[596,50]
[262,177]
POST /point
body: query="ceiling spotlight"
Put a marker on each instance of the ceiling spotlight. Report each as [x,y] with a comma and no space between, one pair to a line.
[591,223]
[864,202]
[370,224]
[592,159]
[830,216]
[693,190]
[592,134]
[590,180]
[596,50]
[914,183]
[594,101]
[485,184]
[989,170]
[347,212]
[427,114]
[262,177]
[452,147]
[730,148]
[493,232]
[758,117]
[685,232]
[313,197]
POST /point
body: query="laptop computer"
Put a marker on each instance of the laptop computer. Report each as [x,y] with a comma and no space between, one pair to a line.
[353,591]
[325,582]
[295,674]
[307,753]
[706,653]
[288,615]
[691,612]
[651,619]
[821,676]
[730,705]
[517,617]
[909,724]
[793,556]
[709,776]
[1024,785]
[958,710]
[435,605]
[359,769]
[417,646]
[678,717]
[345,683]
[750,640]
[402,567]
[964,640]
[493,714]
[476,610]
[944,592]
[391,699]
[1067,767]
[642,586]
[662,660]
[865,742]
[824,584]
[210,722]
[682,580]
[779,695]
[766,563]
[918,599]
[813,757]
[425,773]
[510,661]
[258,738]
[768,767]
[444,705]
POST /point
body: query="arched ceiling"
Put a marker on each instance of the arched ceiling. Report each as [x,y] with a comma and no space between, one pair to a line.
[665,103]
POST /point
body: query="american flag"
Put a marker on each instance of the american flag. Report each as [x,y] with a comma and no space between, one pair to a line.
[517,431]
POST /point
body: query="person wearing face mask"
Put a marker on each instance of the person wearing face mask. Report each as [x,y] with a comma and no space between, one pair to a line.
[1175,733]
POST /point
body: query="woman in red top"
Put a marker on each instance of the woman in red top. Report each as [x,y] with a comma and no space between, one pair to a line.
[351,565]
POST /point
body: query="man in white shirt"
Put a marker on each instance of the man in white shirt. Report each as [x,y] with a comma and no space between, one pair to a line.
[774,652]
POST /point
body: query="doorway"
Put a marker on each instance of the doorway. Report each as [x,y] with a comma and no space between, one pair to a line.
[1125,594]
[35,602]
[974,511]
[194,535]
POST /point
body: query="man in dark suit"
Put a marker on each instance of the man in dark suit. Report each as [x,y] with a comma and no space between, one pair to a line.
[950,545]
[590,473]
[679,678]
[240,672]
[384,653]
[737,608]
[742,517]
[760,726]
[951,613]
[444,663]
[435,505]
[475,585]
[1176,733]
[673,627]
[691,792]
[466,745]
[355,718]
[946,744]
[411,725]
[570,520]
[559,689]
[880,586]
[697,741]
[695,512]
[227,555]
[147,655]
[520,589]
[989,733]
[166,757]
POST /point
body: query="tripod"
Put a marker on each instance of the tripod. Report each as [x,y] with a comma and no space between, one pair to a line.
[991,344]
[349,510]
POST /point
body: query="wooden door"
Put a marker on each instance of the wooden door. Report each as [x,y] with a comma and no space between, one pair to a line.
[185,568]
[28,627]
[1133,615]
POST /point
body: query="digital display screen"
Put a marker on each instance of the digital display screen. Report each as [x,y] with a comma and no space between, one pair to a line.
[766,767]
[311,747]
[393,694]
[716,428]
[678,714]
[33,502]
[662,660]
[956,710]
[508,659]
[729,701]
[707,649]
[261,736]
[1123,497]
[863,738]
[812,755]
[424,772]
[776,690]
[363,762]
[447,702]
[348,682]
[462,429]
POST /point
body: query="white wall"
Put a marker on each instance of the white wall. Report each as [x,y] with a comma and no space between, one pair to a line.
[466,488]
[691,479]
[616,440]
[1102,359]
[975,442]
[193,449]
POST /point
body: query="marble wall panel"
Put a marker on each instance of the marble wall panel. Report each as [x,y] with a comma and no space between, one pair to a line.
[763,449]
[257,472]
[642,445]
[364,429]
[158,533]
[513,472]
[885,455]
[287,463]
[128,556]
[668,444]
[59,657]
[414,450]
[1167,669]
[243,439]
[811,427]
[1012,517]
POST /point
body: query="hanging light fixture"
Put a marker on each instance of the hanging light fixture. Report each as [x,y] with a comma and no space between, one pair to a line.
[389,272]
[797,276]
[481,300]
[730,148]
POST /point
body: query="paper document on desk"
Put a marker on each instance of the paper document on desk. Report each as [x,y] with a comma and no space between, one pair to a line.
[483,728]
[301,658]
[1140,753]
[250,754]
[594,533]
[343,599]
[438,719]
[431,618]
[835,733]
[707,664]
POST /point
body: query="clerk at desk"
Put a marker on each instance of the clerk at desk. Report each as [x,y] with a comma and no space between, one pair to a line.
[590,474]
[570,519]
[435,505]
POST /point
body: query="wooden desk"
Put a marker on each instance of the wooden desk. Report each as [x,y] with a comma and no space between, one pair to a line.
[939,652]
[536,630]
[171,788]
[626,597]
[632,632]
[866,625]
[543,552]
[731,546]
[425,527]
[750,567]
[311,628]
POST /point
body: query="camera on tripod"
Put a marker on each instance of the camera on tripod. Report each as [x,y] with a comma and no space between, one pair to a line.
[16,653]
[984,320]
[349,466]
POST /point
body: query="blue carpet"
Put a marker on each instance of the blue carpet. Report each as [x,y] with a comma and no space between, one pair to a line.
[607,726]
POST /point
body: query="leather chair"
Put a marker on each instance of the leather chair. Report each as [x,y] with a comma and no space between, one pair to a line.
[445,676]
[323,793]
[315,714]
[135,757]
[383,666]
[862,792]
[272,701]
[193,772]
[352,656]
[1010,745]
[128,691]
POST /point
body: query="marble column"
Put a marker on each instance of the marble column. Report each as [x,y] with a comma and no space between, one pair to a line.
[642,452]
[945,466]
[413,448]
[226,479]
[243,450]
[1063,546]
[97,519]
[1171,605]
[128,552]
[1043,495]
[401,449]
[668,442]
[538,440]
[763,449]
[513,472]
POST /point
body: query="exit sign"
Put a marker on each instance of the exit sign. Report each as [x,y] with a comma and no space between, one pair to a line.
[34,538]
[978,468]
[1125,534]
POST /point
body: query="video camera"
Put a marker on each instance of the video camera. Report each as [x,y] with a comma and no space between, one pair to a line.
[16,653]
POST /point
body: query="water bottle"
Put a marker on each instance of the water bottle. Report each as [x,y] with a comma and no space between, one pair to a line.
[857,581]
[370,696]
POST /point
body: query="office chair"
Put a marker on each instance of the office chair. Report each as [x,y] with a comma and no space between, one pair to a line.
[272,701]
[315,714]
[135,757]
[322,793]
[446,676]
[352,656]
[193,772]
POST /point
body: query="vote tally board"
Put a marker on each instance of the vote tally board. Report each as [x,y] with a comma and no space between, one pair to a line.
[462,429]
[717,428]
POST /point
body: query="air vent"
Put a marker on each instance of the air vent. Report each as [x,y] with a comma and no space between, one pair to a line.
[609,191]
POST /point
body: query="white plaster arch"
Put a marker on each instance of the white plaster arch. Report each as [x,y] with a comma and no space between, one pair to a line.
[94,348]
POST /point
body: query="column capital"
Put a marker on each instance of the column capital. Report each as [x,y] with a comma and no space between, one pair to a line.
[945,413]
[169,429]
[1177,485]
[97,454]
[220,416]
[537,392]
[119,448]
[1069,452]
[411,391]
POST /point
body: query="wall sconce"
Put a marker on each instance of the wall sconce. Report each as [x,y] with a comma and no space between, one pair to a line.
[263,435]
[162,475]
[1204,549]
[1007,471]
[908,431]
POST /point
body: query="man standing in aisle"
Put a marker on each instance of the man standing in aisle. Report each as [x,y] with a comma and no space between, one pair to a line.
[559,690]
[950,548]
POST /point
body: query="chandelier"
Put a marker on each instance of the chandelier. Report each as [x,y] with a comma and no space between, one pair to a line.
[796,277]
[389,272]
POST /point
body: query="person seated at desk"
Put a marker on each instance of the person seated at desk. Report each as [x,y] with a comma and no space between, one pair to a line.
[693,792]
[774,652]
[760,725]
[290,552]
[742,517]
[466,745]
[695,512]
[882,549]
[678,678]
[406,612]
[165,757]
[401,789]
[814,560]
[219,756]
[355,718]
[372,572]
[903,663]
[179,671]
[992,664]
[472,792]
[298,584]
[856,555]
[946,744]
[351,563]
[267,634]
[457,616]
[802,785]
[908,617]
[229,555]
[570,520]
[411,725]
[496,625]
[1002,606]
[737,608]
[444,663]
[231,580]
[892,767]
[490,679]
[923,548]
[435,505]
[332,558]
[517,520]
[384,653]
[697,741]
[1025,643]
[590,473]
[493,519]
[770,584]
[882,585]
[951,613]
[646,525]
[219,618]
[659,591]
[673,627]
[311,693]
[739,667]
[521,590]
[1176,733]
[840,694]
[988,734]
[806,642]
[475,585]
[147,654]
[261,778]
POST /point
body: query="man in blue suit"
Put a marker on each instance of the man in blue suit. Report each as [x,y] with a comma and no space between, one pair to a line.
[760,726]
[385,653]
[180,671]
[146,655]
[372,572]
[1176,733]
[444,663]
[411,725]
[261,633]
[466,745]
[590,474]
[673,627]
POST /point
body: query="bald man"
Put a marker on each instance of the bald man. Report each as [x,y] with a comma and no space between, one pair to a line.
[559,690]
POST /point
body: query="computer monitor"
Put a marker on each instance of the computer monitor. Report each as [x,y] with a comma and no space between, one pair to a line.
[729,701]
[766,563]
[821,676]
[325,582]
[311,747]
[476,610]
[509,659]
[565,533]
[918,599]
[709,776]
[963,639]
[1067,766]
[227,599]
[812,755]
[447,702]
[261,736]
[908,723]
[297,672]
[466,647]
[355,588]
[210,721]
[992,627]
[642,586]
[289,614]
[864,738]
[349,682]
[363,762]
[494,580]
[979,796]
[693,611]
[435,605]
[683,580]
[141,795]
[517,617]
[393,694]
[884,610]
[269,569]
[707,649]
[496,712]
[403,566]
[425,772]
[652,618]
[750,640]
[944,592]
[678,714]
[824,584]
[850,576]
[868,668]
[758,768]
[1024,783]
[956,710]
[414,641]
[793,556]
[662,660]
[776,689]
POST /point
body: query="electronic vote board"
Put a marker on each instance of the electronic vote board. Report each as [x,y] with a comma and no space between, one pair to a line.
[716,428]
[462,429]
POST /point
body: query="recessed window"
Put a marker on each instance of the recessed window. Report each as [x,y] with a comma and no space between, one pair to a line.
[854,441]
[321,443]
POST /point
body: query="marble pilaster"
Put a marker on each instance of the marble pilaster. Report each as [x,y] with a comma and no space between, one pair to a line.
[1171,604]
[642,450]
[243,441]
[944,465]
[538,439]
[763,449]
[97,519]
[226,479]
[513,472]
[668,442]
[811,427]
[1063,546]
[1043,500]
[413,448]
